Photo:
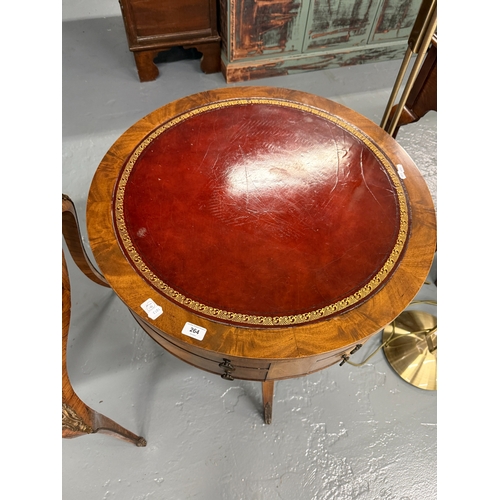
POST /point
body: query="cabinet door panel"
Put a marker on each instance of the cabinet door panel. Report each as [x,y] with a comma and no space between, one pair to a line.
[263,27]
[395,20]
[339,23]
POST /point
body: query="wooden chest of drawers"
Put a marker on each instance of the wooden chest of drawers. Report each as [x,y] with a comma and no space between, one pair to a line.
[153,26]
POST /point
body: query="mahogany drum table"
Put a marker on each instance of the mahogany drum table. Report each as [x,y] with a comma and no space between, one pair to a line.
[260,233]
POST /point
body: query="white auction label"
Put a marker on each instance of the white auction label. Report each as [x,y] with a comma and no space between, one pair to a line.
[401,171]
[194,331]
[152,309]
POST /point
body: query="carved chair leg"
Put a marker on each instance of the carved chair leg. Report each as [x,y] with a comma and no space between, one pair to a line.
[267,400]
[78,418]
[88,421]
[73,238]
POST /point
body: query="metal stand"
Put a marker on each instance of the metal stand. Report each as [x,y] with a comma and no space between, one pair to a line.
[418,43]
[411,348]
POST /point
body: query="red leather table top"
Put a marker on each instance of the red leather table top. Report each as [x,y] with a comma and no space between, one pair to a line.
[261,212]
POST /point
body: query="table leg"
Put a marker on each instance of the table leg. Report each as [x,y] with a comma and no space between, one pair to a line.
[267,400]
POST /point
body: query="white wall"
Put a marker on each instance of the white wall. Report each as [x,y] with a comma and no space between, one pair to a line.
[84,9]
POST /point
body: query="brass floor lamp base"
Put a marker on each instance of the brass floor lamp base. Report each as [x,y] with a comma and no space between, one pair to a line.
[412,350]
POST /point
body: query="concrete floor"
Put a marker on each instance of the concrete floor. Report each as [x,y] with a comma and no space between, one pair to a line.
[343,433]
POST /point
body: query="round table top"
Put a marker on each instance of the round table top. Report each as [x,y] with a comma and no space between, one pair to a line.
[257,210]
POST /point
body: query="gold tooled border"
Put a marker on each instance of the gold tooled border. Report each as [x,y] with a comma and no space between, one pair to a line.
[246,319]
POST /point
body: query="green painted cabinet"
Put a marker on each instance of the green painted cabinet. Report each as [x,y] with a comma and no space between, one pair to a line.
[262,38]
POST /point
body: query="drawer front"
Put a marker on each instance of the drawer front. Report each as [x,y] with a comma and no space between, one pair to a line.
[247,369]
[157,17]
[228,368]
[336,357]
[304,366]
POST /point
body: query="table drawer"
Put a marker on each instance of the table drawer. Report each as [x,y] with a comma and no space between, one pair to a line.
[227,368]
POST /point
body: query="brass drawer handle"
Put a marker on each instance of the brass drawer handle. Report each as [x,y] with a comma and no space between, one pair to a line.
[357,348]
[345,357]
[228,368]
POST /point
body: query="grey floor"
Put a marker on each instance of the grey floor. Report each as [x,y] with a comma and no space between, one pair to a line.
[343,433]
